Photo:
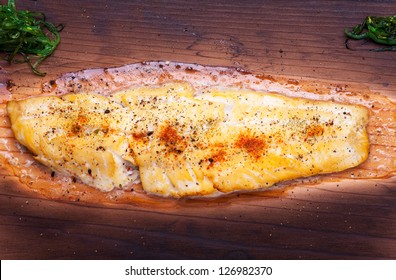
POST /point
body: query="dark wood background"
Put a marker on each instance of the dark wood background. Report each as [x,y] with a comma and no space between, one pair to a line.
[291,38]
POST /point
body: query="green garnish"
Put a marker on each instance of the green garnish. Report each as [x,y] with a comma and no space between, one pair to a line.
[27,34]
[381,30]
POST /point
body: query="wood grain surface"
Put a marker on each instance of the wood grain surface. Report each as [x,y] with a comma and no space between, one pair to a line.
[336,220]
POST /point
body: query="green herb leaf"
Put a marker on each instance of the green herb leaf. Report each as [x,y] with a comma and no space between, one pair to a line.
[381,30]
[27,35]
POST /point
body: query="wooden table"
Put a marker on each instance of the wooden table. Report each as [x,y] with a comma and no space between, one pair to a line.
[291,38]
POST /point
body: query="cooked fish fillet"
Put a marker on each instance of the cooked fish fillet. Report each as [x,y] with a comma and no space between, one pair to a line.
[185,142]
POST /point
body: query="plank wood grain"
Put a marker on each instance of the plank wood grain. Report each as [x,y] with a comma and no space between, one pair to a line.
[290,38]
